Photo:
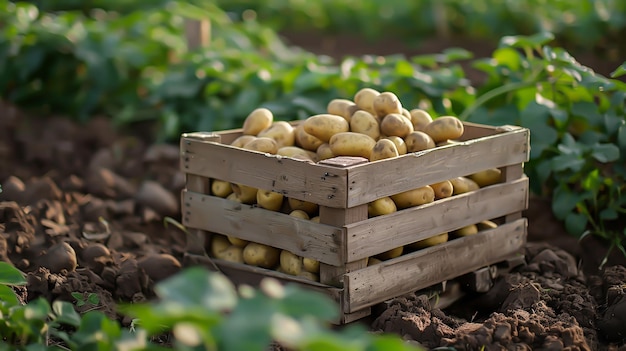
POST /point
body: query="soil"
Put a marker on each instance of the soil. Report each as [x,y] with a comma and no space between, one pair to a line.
[82,209]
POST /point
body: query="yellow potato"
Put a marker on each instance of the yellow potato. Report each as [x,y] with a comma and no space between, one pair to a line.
[414,197]
[245,194]
[290,262]
[232,253]
[219,243]
[484,225]
[220,188]
[242,140]
[397,125]
[486,177]
[420,118]
[341,107]
[260,255]
[233,197]
[309,276]
[315,219]
[324,152]
[400,144]
[237,241]
[324,126]
[443,128]
[309,207]
[406,113]
[442,189]
[311,265]
[352,144]
[432,241]
[306,140]
[387,103]
[382,206]
[384,148]
[447,142]
[269,200]
[462,185]
[297,152]
[282,132]
[262,144]
[299,214]
[393,253]
[257,120]
[418,141]
[372,261]
[364,99]
[466,231]
[365,123]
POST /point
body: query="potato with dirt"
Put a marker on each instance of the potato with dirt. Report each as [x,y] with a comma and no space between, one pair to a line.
[257,120]
[244,194]
[220,188]
[486,177]
[282,132]
[380,207]
[442,189]
[290,263]
[418,141]
[269,200]
[342,107]
[260,255]
[400,144]
[324,152]
[262,144]
[232,254]
[311,265]
[420,118]
[414,197]
[395,124]
[306,140]
[462,185]
[351,144]
[324,126]
[365,123]
[218,244]
[387,103]
[383,149]
[236,241]
[299,214]
[444,128]
[310,208]
[364,99]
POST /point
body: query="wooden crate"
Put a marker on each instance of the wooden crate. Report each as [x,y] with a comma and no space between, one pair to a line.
[345,236]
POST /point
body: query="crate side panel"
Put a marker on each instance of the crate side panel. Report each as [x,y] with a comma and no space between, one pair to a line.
[378,234]
[426,267]
[374,180]
[302,237]
[299,179]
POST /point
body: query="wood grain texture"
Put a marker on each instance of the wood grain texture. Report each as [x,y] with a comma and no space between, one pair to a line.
[379,234]
[304,238]
[423,268]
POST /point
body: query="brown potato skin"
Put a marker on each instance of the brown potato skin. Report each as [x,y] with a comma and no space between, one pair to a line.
[442,189]
[414,197]
[324,126]
[387,103]
[383,149]
[418,141]
[258,120]
[395,124]
[364,99]
[444,128]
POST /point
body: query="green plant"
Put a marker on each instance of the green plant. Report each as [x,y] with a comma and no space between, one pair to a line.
[82,300]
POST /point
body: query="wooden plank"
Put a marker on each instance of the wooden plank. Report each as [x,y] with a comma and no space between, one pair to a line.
[304,238]
[423,268]
[368,182]
[379,234]
[510,173]
[324,185]
[475,130]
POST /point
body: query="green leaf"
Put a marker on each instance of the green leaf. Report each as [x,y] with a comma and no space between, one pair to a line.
[10,275]
[508,57]
[563,202]
[65,313]
[621,137]
[8,295]
[619,71]
[608,214]
[576,223]
[298,303]
[605,152]
[532,41]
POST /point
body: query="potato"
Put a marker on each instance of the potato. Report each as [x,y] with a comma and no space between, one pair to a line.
[309,276]
[257,120]
[395,124]
[484,225]
[420,118]
[324,126]
[219,243]
[261,255]
[387,103]
[466,231]
[315,219]
[432,241]
[324,152]
[384,148]
[220,188]
[406,114]
[462,185]
[400,144]
[299,214]
[237,241]
[245,194]
[442,189]
[262,144]
[364,99]
[290,262]
[382,206]
[365,123]
[311,265]
[242,140]
[269,200]
[306,140]
[486,177]
[282,132]
[233,197]
[297,152]
[414,197]
[418,141]
[372,261]
[393,253]
[232,253]
[309,207]
[341,107]
[443,128]
[351,144]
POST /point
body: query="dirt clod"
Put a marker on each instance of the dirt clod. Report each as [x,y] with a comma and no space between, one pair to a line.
[154,195]
[59,258]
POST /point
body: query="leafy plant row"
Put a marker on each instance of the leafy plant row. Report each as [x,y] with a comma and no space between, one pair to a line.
[197,309]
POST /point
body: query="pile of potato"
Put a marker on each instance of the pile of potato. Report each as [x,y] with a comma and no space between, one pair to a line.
[374,126]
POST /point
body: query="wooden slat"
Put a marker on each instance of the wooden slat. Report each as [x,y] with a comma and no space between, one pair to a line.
[302,237]
[424,268]
[511,173]
[374,180]
[379,234]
